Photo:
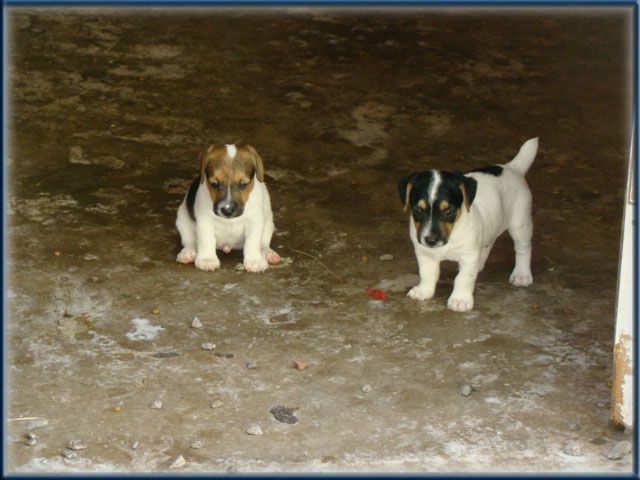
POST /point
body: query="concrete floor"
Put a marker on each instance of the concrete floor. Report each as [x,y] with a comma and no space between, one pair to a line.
[109,110]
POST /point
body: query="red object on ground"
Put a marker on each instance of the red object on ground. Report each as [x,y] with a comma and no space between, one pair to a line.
[377,294]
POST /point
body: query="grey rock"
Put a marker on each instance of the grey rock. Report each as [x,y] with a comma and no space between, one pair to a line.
[77,445]
[196,323]
[252,365]
[574,427]
[30,442]
[366,388]
[619,450]
[157,404]
[197,444]
[572,449]
[31,435]
[69,454]
[465,390]
[284,414]
[134,445]
[179,462]
[239,267]
[216,404]
[386,257]
[254,430]
[208,346]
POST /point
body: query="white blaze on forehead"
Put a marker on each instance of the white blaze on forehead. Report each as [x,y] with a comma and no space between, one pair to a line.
[436,180]
[231,151]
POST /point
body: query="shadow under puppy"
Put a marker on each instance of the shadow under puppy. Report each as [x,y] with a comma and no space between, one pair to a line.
[458,217]
[227,207]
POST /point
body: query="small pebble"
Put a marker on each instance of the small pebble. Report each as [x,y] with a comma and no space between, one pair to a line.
[30,442]
[196,323]
[600,404]
[31,435]
[239,267]
[156,404]
[77,445]
[216,404]
[178,462]
[386,257]
[252,365]
[254,430]
[366,388]
[465,390]
[69,455]
[572,449]
[155,310]
[301,364]
[117,409]
[364,258]
[224,355]
[574,427]
[134,445]
[619,450]
[57,253]
[208,346]
[197,444]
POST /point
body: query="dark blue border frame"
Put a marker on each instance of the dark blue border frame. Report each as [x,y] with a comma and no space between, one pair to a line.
[327,3]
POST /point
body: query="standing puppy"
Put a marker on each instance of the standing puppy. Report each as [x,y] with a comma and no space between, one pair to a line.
[227,207]
[458,217]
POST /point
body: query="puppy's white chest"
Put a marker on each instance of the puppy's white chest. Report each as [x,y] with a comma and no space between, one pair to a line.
[229,234]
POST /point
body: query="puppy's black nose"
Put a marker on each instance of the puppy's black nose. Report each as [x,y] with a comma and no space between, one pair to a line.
[228,210]
[431,240]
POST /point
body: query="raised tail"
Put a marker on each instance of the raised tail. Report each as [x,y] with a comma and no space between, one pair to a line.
[523,160]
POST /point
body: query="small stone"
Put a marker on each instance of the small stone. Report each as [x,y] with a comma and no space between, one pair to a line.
[301,364]
[39,423]
[252,365]
[284,414]
[77,445]
[574,427]
[619,450]
[117,409]
[224,355]
[386,257]
[197,444]
[239,267]
[254,430]
[216,404]
[208,346]
[155,311]
[156,404]
[134,445]
[179,462]
[600,404]
[30,442]
[69,455]
[465,390]
[366,388]
[196,323]
[572,449]
[31,435]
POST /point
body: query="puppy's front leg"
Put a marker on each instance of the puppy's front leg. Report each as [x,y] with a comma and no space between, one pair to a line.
[461,299]
[429,269]
[206,258]
[254,261]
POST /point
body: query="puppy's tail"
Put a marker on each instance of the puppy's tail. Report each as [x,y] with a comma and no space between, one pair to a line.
[523,160]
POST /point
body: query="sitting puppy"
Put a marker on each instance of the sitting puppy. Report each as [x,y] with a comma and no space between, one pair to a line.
[458,217]
[227,207]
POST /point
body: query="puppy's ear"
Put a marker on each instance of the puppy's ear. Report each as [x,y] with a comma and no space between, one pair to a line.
[468,186]
[203,165]
[257,163]
[404,189]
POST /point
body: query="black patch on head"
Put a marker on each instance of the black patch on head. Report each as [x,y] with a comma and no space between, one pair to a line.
[403,183]
[494,170]
[191,197]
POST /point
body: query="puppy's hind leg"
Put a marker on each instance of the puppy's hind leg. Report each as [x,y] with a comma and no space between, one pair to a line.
[521,233]
[187,228]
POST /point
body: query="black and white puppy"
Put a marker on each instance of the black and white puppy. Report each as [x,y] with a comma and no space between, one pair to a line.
[227,207]
[458,217]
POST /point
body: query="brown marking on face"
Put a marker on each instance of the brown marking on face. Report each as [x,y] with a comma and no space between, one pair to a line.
[406,200]
[443,205]
[230,173]
[447,227]
[466,199]
[422,204]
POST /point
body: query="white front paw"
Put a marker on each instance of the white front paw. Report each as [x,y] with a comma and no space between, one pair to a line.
[420,293]
[521,279]
[186,255]
[210,264]
[272,257]
[460,303]
[255,265]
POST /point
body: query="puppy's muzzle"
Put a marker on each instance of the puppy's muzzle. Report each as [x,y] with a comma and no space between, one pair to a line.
[228,210]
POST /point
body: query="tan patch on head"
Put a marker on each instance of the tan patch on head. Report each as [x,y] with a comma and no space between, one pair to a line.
[422,204]
[443,205]
[218,166]
[447,227]
[466,199]
[406,199]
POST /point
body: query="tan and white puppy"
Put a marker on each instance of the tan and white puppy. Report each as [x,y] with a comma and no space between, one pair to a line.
[227,207]
[458,217]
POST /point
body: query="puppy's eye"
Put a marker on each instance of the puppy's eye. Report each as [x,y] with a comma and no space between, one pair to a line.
[242,185]
[449,211]
[215,184]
